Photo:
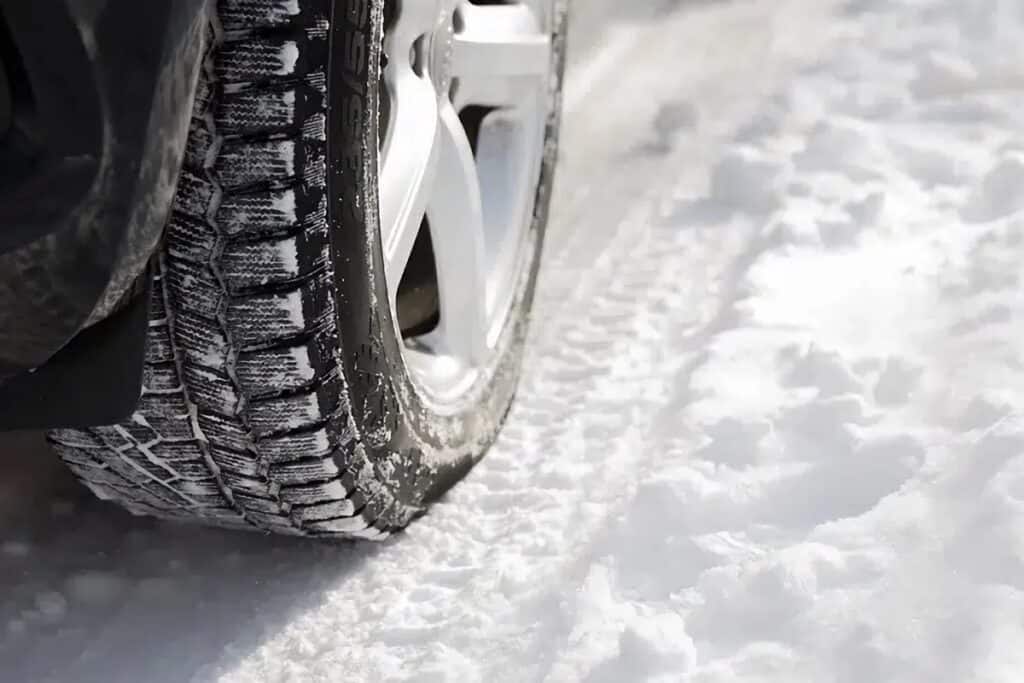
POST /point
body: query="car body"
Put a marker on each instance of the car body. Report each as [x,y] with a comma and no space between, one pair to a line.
[98,106]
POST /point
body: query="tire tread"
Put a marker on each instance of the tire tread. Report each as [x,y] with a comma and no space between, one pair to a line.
[242,422]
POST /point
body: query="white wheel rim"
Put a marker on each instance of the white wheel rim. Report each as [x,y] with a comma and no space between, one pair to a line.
[444,56]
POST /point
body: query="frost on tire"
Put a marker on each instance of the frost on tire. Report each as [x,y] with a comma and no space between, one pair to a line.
[242,421]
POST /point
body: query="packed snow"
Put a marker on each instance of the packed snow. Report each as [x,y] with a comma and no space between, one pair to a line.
[771,426]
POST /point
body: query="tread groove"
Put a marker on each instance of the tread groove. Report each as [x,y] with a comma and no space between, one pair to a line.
[244,419]
[210,169]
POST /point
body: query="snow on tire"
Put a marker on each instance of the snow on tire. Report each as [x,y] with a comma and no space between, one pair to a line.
[275,397]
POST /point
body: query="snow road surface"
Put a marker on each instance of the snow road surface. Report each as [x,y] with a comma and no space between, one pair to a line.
[771,426]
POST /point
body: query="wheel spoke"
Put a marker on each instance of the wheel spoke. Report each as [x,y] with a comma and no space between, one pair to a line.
[406,178]
[457,232]
[443,55]
[499,51]
[415,17]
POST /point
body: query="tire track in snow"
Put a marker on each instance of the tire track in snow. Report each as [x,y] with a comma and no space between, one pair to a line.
[464,590]
[792,561]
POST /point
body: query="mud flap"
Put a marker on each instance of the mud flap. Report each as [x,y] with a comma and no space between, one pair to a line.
[96,379]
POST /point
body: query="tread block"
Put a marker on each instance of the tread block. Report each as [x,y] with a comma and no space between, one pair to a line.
[250,485]
[238,15]
[157,472]
[162,500]
[285,369]
[256,503]
[295,412]
[222,431]
[315,128]
[112,437]
[258,59]
[160,377]
[199,145]
[338,525]
[203,491]
[247,265]
[137,432]
[211,389]
[204,503]
[297,445]
[263,211]
[179,453]
[266,318]
[191,470]
[195,284]
[170,424]
[194,193]
[200,342]
[323,511]
[314,172]
[275,523]
[256,110]
[238,463]
[312,494]
[301,472]
[124,468]
[190,238]
[242,162]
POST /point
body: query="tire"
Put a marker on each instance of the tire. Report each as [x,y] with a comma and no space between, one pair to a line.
[276,396]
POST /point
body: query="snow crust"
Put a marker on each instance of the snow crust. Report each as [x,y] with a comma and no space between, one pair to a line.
[771,427]
[288,57]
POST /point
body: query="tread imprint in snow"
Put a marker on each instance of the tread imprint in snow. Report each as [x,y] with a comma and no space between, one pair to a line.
[243,420]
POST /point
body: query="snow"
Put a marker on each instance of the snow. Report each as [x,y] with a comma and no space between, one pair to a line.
[771,426]
[288,58]
[290,7]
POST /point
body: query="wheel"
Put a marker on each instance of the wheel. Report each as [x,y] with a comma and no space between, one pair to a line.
[339,308]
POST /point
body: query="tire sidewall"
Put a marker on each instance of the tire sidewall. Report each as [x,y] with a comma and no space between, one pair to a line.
[418,449]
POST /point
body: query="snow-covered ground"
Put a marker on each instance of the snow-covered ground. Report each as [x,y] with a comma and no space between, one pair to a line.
[772,421]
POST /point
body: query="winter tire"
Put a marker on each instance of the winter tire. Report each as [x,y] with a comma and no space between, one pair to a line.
[340,303]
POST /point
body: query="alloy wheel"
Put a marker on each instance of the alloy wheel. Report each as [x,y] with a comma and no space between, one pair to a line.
[464,109]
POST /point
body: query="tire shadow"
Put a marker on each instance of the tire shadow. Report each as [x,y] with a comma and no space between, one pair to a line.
[91,593]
